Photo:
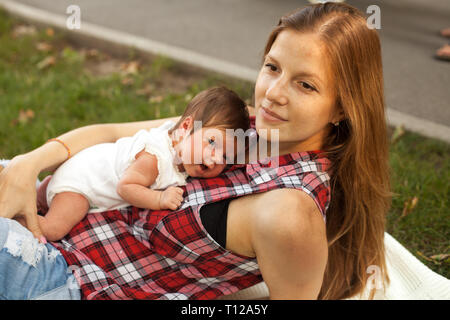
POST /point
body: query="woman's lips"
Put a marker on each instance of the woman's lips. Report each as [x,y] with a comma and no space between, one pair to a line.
[270,116]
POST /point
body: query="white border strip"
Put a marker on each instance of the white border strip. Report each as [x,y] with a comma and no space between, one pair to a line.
[394,118]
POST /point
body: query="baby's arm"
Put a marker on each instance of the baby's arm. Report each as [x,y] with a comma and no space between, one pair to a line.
[142,173]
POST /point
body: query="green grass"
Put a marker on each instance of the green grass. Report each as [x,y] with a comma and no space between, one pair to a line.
[72,92]
[420,168]
[67,95]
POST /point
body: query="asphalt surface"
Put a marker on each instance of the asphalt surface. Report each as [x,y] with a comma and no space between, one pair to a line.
[236,31]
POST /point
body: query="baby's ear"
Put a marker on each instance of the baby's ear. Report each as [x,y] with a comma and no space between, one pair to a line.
[187,124]
[179,133]
[183,129]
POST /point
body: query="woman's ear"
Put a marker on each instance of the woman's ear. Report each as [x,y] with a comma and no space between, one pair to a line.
[339,114]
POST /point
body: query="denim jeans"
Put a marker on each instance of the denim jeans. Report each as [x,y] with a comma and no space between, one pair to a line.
[32,270]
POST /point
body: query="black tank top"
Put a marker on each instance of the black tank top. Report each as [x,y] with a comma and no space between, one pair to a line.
[214,219]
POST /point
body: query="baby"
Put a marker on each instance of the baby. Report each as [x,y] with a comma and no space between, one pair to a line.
[145,169]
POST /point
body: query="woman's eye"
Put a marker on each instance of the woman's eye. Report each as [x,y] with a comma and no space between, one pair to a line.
[307,86]
[271,66]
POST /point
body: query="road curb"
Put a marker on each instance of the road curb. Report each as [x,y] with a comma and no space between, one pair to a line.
[121,42]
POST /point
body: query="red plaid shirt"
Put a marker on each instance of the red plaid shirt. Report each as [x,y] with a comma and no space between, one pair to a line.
[142,254]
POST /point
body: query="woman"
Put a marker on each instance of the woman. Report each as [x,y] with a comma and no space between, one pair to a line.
[321,87]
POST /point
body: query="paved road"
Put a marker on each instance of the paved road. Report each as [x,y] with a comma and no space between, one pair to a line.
[236,30]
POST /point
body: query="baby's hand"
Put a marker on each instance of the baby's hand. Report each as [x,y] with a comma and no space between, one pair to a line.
[171,198]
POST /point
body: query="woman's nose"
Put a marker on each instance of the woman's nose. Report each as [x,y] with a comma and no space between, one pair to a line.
[277,91]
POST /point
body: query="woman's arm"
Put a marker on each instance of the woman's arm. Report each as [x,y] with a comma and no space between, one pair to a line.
[290,244]
[50,155]
[17,181]
[84,137]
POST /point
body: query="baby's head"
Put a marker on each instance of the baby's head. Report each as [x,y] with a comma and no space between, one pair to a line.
[200,135]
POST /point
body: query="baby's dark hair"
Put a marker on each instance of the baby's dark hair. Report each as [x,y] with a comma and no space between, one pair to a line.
[217,107]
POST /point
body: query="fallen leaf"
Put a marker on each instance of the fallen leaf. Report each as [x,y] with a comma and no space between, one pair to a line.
[131,67]
[92,54]
[23,31]
[409,206]
[127,81]
[414,202]
[405,209]
[24,117]
[47,62]
[44,46]
[398,133]
[50,32]
[440,257]
[426,258]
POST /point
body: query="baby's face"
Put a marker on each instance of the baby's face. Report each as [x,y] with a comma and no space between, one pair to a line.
[203,153]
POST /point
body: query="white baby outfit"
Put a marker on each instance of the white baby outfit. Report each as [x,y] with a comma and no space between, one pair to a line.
[96,171]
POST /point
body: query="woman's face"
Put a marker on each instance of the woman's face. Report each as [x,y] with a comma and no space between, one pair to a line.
[294,92]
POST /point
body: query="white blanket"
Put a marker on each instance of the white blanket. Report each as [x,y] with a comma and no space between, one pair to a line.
[410,279]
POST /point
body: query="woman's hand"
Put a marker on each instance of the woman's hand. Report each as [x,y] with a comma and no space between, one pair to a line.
[18,194]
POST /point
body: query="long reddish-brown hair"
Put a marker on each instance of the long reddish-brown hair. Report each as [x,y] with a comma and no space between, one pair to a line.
[357,147]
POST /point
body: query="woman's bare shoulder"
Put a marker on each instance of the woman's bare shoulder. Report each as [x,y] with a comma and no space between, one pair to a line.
[289,241]
[283,215]
[286,209]
[268,213]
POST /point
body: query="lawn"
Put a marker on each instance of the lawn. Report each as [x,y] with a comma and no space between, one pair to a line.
[48,86]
